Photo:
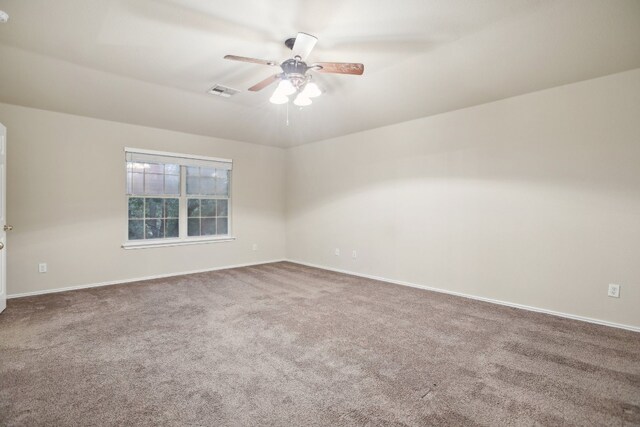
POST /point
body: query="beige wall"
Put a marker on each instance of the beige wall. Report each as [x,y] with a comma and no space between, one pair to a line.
[532,200]
[66,201]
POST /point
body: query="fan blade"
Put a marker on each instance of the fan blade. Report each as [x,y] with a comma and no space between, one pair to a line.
[266,82]
[252,60]
[338,68]
[304,45]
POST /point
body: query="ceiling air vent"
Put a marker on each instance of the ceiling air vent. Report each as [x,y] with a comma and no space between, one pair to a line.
[223,91]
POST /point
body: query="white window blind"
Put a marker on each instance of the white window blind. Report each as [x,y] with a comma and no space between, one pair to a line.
[148,156]
[176,197]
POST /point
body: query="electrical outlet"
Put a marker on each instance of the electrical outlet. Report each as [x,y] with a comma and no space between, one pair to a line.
[354,254]
[614,290]
[42,267]
[254,247]
[337,252]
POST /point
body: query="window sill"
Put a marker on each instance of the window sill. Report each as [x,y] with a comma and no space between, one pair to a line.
[174,242]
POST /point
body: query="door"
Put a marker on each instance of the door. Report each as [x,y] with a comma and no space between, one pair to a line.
[3,218]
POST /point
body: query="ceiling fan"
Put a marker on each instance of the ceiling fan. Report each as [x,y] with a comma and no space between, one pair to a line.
[295,77]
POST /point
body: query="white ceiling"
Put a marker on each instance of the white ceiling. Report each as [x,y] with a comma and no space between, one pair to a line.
[150,62]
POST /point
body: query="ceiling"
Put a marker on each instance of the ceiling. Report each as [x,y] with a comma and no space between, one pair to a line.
[151,62]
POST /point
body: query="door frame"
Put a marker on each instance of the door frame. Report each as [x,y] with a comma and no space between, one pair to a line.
[3,217]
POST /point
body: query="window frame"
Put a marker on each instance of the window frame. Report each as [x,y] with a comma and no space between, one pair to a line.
[183,197]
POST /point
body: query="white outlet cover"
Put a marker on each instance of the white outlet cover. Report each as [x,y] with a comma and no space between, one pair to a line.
[614,290]
[337,252]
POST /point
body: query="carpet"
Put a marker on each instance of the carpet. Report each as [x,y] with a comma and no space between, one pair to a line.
[287,345]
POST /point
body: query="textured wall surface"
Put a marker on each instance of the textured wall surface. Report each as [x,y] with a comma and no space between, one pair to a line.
[67,203]
[532,200]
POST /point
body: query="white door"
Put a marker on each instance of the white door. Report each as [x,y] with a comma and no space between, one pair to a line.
[3,218]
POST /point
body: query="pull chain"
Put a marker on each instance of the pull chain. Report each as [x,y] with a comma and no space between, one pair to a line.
[287,114]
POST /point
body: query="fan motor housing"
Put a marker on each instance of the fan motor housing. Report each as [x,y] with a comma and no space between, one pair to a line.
[295,71]
[294,66]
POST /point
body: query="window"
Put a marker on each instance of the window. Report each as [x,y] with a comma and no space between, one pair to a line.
[176,198]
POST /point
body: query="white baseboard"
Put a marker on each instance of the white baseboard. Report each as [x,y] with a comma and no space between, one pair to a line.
[138,279]
[352,273]
[474,297]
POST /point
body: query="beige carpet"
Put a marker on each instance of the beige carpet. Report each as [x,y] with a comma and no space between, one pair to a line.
[287,345]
